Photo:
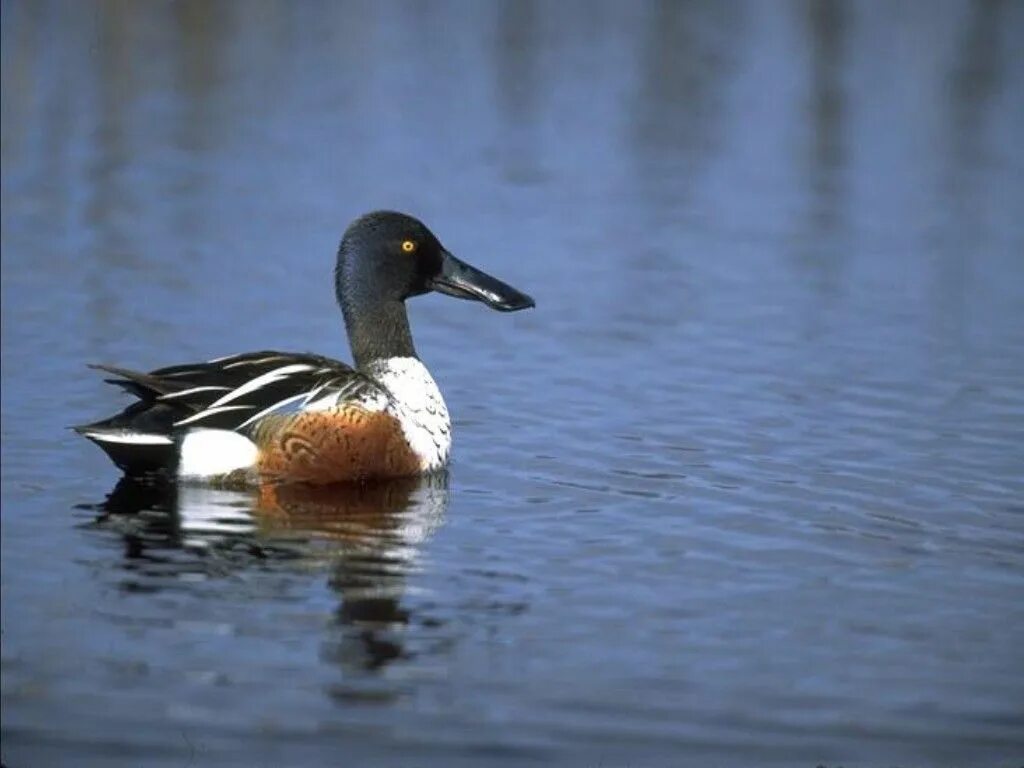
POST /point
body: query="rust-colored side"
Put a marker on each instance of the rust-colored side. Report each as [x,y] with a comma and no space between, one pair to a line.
[346,443]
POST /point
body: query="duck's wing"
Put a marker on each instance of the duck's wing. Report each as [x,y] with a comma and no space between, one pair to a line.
[231,393]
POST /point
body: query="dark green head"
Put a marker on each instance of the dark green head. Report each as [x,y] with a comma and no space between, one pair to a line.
[386,257]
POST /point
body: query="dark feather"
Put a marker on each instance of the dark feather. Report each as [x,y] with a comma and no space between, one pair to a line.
[142,381]
[168,396]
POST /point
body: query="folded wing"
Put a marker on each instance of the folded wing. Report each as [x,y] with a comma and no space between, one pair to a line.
[229,393]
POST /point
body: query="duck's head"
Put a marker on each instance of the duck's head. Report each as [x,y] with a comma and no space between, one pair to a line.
[385,258]
[388,257]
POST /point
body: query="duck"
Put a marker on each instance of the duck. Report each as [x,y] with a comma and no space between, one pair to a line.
[272,417]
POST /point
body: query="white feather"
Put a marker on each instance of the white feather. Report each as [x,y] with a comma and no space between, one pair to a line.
[210,412]
[225,358]
[206,453]
[129,438]
[274,407]
[419,407]
[184,392]
[258,361]
[261,381]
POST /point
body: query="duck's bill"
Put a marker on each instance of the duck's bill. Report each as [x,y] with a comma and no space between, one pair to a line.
[462,281]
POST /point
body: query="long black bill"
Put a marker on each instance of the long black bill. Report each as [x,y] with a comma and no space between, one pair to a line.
[462,281]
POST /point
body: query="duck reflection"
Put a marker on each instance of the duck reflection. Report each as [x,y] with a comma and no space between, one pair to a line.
[368,536]
[377,537]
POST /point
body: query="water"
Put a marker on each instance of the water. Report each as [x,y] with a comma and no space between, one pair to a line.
[744,489]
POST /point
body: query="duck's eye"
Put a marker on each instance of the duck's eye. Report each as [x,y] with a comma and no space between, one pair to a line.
[408,246]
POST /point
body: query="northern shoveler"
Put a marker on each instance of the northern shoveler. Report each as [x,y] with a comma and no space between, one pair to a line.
[284,417]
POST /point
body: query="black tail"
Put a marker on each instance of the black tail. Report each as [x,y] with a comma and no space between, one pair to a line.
[133,458]
[138,439]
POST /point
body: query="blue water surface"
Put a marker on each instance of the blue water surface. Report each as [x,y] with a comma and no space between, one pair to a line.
[746,488]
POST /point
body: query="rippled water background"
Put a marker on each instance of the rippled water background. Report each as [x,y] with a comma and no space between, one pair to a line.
[746,488]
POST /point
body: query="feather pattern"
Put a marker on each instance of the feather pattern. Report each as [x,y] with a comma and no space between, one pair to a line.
[287,417]
[230,393]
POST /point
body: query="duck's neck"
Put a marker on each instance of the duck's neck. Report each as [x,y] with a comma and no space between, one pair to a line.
[377,330]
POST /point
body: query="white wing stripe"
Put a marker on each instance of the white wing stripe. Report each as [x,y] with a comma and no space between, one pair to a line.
[193,390]
[274,407]
[318,389]
[225,358]
[260,381]
[210,412]
[256,361]
[129,438]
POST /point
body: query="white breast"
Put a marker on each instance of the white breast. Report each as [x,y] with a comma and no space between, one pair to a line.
[417,404]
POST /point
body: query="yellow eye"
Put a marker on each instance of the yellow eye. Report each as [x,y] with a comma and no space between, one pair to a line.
[408,246]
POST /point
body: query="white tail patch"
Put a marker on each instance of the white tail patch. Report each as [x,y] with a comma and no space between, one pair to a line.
[128,438]
[207,453]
